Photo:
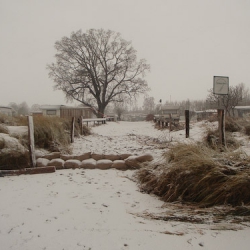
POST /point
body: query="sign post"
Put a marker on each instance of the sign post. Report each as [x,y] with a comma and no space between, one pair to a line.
[220,88]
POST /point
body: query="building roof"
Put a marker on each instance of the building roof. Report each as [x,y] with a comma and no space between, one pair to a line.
[5,107]
[51,107]
[242,107]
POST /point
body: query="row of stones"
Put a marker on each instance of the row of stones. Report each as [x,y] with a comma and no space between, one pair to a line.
[92,161]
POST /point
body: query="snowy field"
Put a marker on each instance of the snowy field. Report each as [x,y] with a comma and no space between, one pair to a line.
[102,209]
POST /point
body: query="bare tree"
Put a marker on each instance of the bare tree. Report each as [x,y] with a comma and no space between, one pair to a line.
[97,68]
[228,102]
[149,104]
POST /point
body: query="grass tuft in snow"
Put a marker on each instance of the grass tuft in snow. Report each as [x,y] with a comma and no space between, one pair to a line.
[195,173]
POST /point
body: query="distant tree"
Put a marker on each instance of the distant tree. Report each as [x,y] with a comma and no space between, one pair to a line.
[149,104]
[14,107]
[97,68]
[35,107]
[23,109]
[120,108]
[228,102]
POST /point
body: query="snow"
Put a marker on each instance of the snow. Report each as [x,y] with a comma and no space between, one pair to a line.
[102,209]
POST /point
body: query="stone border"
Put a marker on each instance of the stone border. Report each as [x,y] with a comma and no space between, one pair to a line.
[55,161]
[93,161]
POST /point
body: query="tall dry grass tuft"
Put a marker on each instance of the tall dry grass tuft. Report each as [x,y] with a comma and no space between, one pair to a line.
[52,133]
[195,173]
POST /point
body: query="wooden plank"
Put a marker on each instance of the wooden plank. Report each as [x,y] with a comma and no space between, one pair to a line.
[31,141]
[94,119]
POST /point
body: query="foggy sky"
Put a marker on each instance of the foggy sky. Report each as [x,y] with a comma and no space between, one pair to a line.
[186,42]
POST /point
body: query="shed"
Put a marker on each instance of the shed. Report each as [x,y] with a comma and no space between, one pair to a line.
[242,111]
[51,110]
[6,110]
[66,111]
[77,112]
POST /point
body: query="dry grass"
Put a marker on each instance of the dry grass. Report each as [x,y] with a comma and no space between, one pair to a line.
[195,173]
[52,133]
[3,129]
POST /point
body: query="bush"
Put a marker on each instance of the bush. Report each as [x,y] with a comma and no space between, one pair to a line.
[150,117]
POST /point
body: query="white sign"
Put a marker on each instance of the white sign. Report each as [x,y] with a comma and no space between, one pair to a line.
[221,85]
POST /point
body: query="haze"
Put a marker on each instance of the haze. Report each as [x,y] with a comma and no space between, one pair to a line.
[185,42]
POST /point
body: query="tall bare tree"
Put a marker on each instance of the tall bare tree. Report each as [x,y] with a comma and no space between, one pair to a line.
[97,68]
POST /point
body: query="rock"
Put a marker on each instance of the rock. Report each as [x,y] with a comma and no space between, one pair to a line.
[89,163]
[67,157]
[124,156]
[83,156]
[111,157]
[132,162]
[120,165]
[104,164]
[53,155]
[72,164]
[144,158]
[58,163]
[42,162]
[13,155]
[97,156]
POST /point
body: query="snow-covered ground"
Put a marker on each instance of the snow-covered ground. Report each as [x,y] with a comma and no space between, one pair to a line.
[135,137]
[103,209]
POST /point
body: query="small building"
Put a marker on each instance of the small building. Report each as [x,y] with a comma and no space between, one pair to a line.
[51,110]
[242,111]
[6,110]
[67,111]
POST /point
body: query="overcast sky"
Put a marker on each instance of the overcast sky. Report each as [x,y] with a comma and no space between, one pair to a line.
[186,42]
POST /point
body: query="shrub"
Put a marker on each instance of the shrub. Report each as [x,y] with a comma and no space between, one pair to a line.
[150,117]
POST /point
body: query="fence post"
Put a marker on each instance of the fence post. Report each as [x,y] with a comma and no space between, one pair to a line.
[221,120]
[72,129]
[81,124]
[31,141]
[187,122]
[170,122]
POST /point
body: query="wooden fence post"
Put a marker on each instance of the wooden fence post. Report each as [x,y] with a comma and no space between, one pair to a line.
[187,122]
[81,125]
[170,122]
[221,120]
[31,141]
[72,129]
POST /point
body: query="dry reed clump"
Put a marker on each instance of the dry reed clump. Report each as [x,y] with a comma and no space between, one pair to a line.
[52,133]
[3,129]
[231,125]
[211,139]
[192,174]
[247,129]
